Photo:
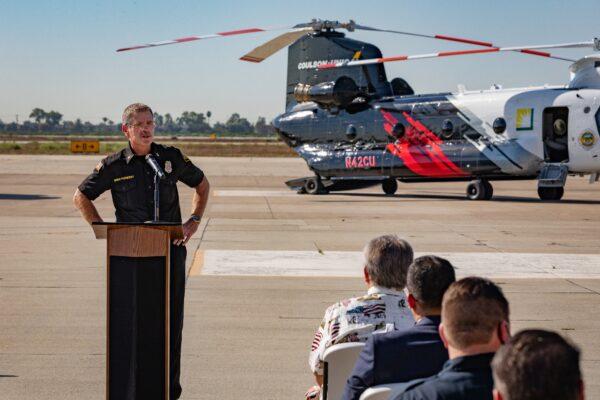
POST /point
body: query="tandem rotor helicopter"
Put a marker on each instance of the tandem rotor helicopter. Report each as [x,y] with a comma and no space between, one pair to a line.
[355,128]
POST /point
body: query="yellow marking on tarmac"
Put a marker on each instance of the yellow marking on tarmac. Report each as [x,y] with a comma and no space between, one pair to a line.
[198,263]
[85,146]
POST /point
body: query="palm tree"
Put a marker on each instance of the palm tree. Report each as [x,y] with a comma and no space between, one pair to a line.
[38,115]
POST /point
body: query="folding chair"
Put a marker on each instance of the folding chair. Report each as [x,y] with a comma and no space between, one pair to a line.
[339,362]
[383,392]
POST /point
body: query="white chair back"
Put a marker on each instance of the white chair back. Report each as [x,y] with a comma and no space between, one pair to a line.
[339,362]
[384,392]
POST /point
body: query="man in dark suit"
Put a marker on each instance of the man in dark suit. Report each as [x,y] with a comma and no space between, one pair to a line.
[416,352]
[474,325]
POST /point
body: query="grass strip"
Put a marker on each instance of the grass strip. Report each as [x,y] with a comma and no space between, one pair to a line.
[209,149]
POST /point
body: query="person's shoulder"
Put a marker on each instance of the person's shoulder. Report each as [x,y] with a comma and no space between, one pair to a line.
[170,152]
[395,339]
[112,159]
[393,336]
[166,149]
[336,307]
[343,305]
[428,389]
[450,385]
[369,297]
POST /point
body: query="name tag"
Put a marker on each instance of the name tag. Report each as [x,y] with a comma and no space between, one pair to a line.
[123,178]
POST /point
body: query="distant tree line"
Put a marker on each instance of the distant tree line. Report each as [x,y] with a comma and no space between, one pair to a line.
[189,122]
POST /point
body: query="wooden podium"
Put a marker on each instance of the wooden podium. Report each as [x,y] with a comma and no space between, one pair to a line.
[137,308]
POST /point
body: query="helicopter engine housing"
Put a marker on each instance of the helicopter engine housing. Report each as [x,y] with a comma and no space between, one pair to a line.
[339,93]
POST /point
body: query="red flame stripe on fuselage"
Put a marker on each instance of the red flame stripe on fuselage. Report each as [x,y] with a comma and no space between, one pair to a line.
[426,158]
[434,141]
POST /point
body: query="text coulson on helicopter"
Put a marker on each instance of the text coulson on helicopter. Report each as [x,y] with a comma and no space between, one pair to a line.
[355,129]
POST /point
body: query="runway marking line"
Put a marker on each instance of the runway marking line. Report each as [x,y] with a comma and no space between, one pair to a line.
[349,264]
[197,264]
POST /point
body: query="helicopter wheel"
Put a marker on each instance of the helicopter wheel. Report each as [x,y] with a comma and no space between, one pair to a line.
[480,189]
[489,190]
[389,186]
[313,185]
[551,193]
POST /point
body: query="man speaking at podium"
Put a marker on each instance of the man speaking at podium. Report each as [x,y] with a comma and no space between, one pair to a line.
[130,177]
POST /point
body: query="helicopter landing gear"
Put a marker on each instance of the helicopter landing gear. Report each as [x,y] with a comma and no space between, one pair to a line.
[551,193]
[313,185]
[551,182]
[389,186]
[480,189]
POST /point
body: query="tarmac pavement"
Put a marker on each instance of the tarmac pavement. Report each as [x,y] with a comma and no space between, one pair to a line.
[247,335]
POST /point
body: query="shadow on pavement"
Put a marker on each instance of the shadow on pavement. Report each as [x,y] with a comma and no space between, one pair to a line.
[508,199]
[9,196]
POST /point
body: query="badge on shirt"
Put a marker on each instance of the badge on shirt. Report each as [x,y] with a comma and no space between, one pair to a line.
[168,167]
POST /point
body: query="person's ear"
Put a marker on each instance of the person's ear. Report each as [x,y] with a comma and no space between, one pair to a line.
[504,332]
[412,302]
[366,275]
[125,130]
[497,395]
[443,335]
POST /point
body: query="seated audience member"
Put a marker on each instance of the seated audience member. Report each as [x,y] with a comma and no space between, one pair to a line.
[416,352]
[382,308]
[537,365]
[474,325]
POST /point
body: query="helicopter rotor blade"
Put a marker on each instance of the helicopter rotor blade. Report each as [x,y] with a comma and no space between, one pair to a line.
[423,35]
[533,49]
[271,47]
[201,37]
[458,40]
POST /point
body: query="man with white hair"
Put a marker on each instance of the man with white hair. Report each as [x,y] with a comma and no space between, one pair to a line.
[383,308]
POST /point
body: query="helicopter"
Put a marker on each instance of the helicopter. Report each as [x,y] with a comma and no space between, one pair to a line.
[355,128]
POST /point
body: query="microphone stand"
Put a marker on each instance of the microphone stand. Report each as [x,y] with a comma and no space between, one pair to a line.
[156,198]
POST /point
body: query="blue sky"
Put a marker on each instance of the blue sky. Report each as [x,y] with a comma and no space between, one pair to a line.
[60,55]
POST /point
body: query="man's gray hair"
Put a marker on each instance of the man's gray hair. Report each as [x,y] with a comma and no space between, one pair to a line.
[132,109]
[387,260]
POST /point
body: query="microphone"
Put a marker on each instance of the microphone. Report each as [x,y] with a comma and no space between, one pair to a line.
[155,166]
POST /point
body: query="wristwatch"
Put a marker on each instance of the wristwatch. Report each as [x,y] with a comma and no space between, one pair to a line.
[195,218]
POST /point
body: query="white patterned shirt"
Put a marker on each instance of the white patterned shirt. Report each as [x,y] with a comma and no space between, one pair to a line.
[355,319]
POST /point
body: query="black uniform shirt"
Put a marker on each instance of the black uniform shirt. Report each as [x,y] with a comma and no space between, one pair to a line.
[131,182]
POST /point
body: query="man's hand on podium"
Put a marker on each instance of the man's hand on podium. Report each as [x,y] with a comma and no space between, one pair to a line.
[189,228]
